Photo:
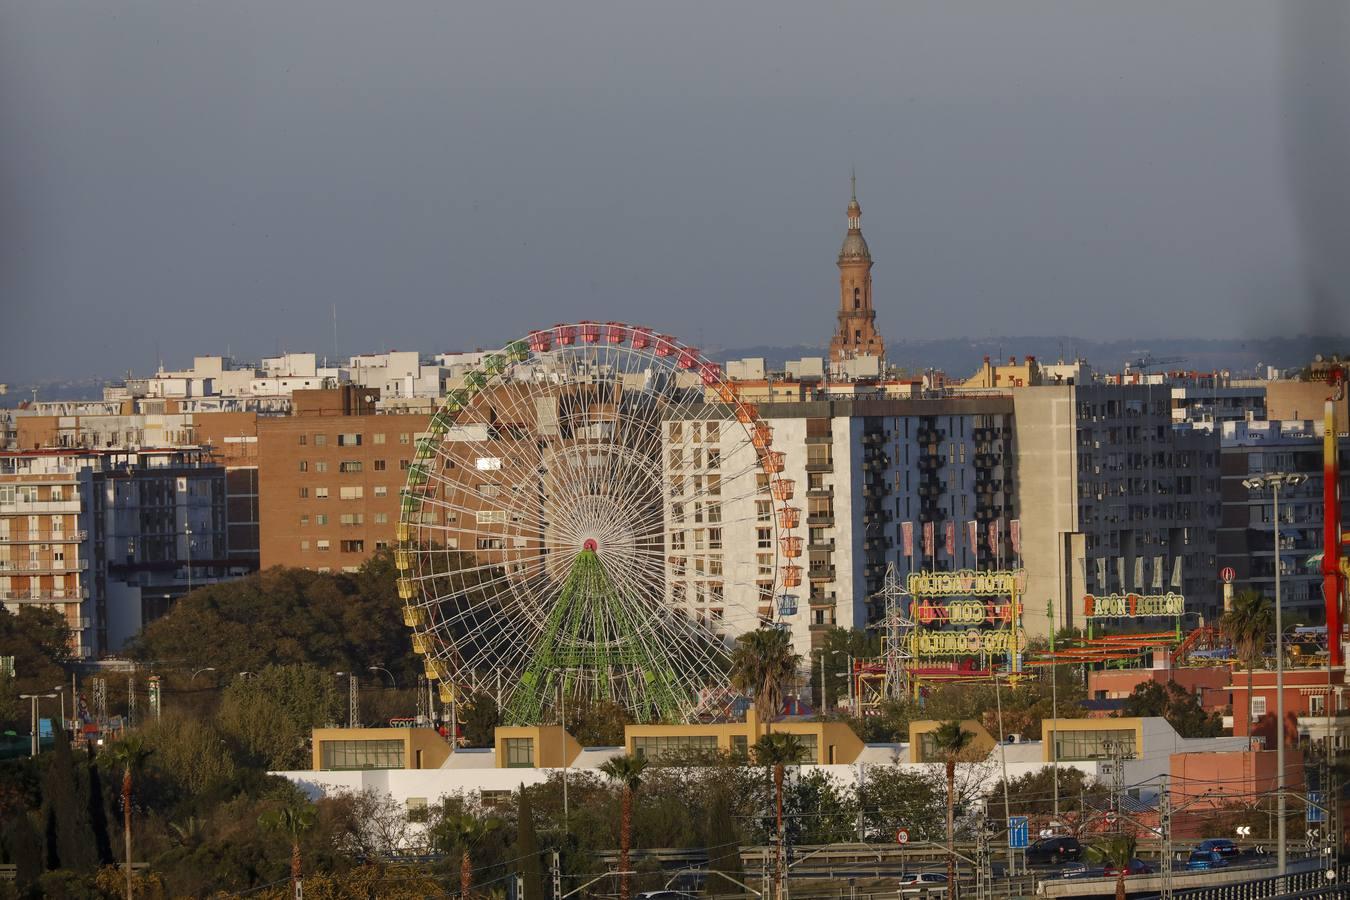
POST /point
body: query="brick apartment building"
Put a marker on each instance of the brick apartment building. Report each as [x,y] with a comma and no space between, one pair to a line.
[329,477]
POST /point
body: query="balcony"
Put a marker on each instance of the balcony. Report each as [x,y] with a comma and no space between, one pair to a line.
[823,519]
[44,537]
[931,463]
[819,465]
[49,596]
[826,490]
[43,566]
[23,507]
[821,573]
[819,439]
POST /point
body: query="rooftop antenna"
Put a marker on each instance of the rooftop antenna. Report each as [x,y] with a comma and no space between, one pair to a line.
[335,350]
[853,182]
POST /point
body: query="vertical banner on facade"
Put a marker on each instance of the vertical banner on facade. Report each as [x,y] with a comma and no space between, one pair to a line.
[928,540]
[907,538]
[950,538]
[993,537]
[1138,573]
[1157,573]
[1176,572]
[1015,535]
[973,536]
[1120,573]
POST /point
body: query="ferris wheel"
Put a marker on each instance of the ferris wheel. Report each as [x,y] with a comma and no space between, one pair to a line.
[594,516]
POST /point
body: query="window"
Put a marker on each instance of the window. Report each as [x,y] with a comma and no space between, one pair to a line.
[764,538]
[417,809]
[304,545]
[350,465]
[355,492]
[494,799]
[377,438]
[353,546]
[1258,707]
[322,546]
[740,745]
[321,519]
[490,543]
[857,298]
[320,466]
[764,510]
[379,465]
[403,465]
[304,439]
[381,490]
[382,518]
[1317,705]
[1096,744]
[352,519]
[320,440]
[304,493]
[519,752]
[304,465]
[349,440]
[656,746]
[304,521]
[320,493]
[403,438]
[361,754]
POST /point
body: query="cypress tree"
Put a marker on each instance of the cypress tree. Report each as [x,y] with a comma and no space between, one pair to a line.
[98,811]
[724,847]
[527,848]
[24,849]
[68,836]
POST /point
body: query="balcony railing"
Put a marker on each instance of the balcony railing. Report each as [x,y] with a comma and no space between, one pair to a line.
[44,565]
[41,506]
[48,596]
[44,537]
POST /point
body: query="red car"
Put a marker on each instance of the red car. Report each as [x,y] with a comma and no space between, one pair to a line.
[1135,867]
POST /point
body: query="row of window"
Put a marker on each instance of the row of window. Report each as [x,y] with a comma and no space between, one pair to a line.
[324,545]
[350,466]
[352,492]
[349,439]
[344,519]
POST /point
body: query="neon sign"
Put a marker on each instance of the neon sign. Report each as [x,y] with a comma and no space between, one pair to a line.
[1133,606]
[967,582]
[966,643]
[962,612]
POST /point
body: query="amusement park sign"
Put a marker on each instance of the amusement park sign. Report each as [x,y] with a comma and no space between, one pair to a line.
[966,582]
[965,643]
[1133,606]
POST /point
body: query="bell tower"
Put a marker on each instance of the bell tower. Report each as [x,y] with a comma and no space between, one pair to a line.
[855,334]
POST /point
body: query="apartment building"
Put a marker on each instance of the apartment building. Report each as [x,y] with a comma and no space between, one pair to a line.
[105,537]
[1114,498]
[329,477]
[1246,534]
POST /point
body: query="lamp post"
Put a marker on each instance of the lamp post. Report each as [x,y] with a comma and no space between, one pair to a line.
[61,692]
[187,530]
[35,698]
[1274,481]
[392,680]
[200,671]
[353,710]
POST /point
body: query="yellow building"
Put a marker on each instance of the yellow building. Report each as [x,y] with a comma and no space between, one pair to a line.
[923,750]
[378,748]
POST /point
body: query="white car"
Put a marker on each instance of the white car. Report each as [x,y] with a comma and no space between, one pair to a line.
[926,883]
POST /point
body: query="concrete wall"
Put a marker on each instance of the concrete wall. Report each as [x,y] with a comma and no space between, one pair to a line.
[1047,492]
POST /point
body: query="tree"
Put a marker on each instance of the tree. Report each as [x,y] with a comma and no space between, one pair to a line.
[1249,624]
[463,833]
[1115,851]
[67,827]
[823,812]
[761,663]
[837,645]
[724,846]
[1180,708]
[598,723]
[625,771]
[777,751]
[129,755]
[480,718]
[527,849]
[291,821]
[39,640]
[951,740]
[893,797]
[271,713]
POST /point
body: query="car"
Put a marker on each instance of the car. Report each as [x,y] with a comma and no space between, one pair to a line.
[1078,870]
[1224,846]
[1134,867]
[1054,850]
[1206,859]
[928,883]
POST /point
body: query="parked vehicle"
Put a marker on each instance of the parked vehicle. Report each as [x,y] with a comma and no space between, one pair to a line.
[1055,850]
[1135,867]
[927,883]
[1206,859]
[1222,845]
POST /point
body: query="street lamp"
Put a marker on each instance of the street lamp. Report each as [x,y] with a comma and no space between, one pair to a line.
[187,530]
[35,698]
[61,692]
[1274,481]
[392,679]
[200,671]
[352,711]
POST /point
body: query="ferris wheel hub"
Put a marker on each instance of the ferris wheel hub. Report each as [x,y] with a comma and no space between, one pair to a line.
[590,544]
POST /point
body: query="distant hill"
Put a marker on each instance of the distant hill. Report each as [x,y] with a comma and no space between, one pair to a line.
[961,356]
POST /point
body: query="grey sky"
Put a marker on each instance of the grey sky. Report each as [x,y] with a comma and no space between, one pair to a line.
[192,176]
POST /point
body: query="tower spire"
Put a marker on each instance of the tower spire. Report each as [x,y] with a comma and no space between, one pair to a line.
[853,183]
[856,335]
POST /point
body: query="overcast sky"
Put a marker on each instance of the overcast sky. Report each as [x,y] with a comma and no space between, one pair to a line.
[180,178]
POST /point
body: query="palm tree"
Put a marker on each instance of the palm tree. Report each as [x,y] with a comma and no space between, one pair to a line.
[1248,625]
[778,750]
[463,833]
[1116,851]
[291,821]
[626,771]
[761,662]
[129,755]
[950,739]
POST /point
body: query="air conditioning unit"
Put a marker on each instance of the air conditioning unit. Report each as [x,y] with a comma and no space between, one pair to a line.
[1014,739]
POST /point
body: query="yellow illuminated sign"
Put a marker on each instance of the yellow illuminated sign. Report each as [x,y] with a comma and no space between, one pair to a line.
[966,643]
[1133,606]
[967,582]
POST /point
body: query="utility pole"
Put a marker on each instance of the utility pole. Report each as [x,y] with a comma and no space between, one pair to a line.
[555,869]
[154,696]
[1165,826]
[131,701]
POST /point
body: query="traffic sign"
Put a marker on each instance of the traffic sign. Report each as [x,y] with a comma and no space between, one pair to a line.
[1019,832]
[1227,574]
[902,836]
[1315,811]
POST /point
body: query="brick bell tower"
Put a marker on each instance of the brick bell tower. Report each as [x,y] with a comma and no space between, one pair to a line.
[856,334]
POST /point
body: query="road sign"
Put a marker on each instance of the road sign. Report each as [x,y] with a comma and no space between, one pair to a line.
[902,836]
[1315,811]
[1019,832]
[1244,831]
[1227,574]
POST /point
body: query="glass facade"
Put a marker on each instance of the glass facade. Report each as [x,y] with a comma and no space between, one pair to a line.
[1099,744]
[361,754]
[519,753]
[680,744]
